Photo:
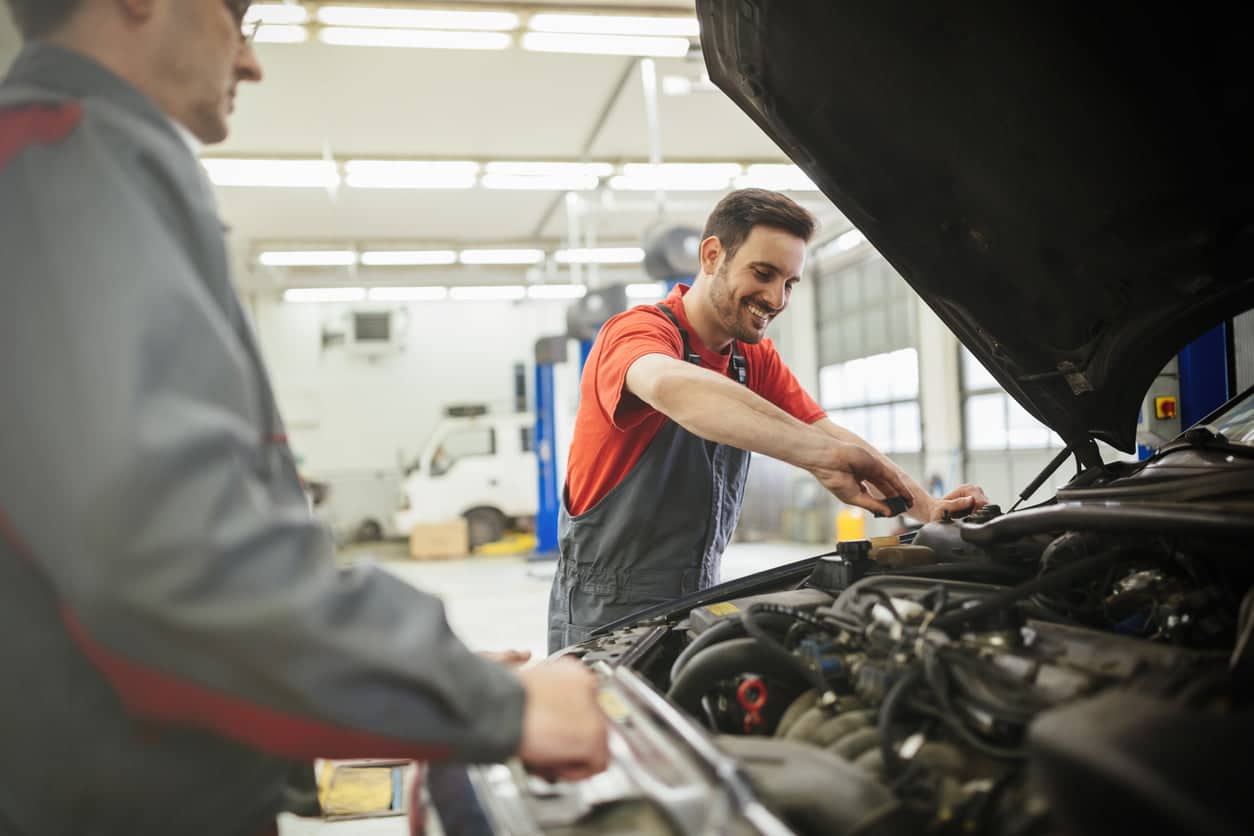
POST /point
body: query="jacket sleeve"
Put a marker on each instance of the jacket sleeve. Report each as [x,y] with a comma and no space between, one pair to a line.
[137,477]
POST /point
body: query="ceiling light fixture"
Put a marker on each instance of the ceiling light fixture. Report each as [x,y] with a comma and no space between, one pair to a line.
[407,258]
[276,13]
[556,291]
[547,169]
[324,294]
[320,174]
[418,18]
[651,290]
[502,256]
[308,258]
[403,174]
[407,294]
[280,34]
[776,177]
[606,44]
[848,240]
[676,177]
[550,183]
[593,24]
[414,38]
[600,255]
[483,293]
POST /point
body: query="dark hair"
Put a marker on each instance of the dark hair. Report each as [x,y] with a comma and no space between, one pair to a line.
[738,213]
[38,18]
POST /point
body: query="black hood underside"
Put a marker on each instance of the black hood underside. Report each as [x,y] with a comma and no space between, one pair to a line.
[1069,186]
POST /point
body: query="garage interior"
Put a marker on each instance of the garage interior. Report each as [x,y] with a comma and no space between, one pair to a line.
[429,208]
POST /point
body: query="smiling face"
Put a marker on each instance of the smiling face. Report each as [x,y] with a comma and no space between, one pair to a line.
[751,287]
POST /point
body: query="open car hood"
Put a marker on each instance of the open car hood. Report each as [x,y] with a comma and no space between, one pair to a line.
[1070,187]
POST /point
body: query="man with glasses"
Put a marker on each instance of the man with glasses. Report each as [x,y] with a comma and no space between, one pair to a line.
[173,632]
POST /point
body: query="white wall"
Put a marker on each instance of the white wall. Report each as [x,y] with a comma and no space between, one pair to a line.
[347,412]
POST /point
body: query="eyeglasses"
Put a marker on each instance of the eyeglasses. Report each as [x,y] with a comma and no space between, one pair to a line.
[239,11]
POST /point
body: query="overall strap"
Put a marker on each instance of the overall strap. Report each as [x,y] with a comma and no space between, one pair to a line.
[737,359]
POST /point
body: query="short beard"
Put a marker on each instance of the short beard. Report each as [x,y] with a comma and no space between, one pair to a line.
[728,311]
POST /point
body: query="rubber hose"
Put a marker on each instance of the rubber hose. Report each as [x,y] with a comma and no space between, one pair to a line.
[750,619]
[728,628]
[892,761]
[726,660]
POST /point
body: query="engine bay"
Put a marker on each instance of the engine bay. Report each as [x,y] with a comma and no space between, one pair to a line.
[1031,684]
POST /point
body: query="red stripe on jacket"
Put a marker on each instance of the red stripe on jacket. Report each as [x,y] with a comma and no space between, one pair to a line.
[166,698]
[36,125]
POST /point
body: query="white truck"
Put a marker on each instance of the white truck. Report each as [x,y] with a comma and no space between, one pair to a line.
[477,465]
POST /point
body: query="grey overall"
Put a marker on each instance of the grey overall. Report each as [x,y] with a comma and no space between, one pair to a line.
[659,534]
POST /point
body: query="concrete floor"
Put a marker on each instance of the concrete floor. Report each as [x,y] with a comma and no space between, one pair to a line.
[499,603]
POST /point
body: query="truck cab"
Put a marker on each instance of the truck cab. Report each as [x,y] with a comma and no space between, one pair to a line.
[477,465]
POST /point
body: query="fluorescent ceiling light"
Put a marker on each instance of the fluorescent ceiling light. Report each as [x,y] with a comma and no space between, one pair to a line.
[277,13]
[415,38]
[601,255]
[652,290]
[407,258]
[281,34]
[324,294]
[682,85]
[321,174]
[417,18]
[551,183]
[556,291]
[308,258]
[541,169]
[402,174]
[849,240]
[683,27]
[676,176]
[780,177]
[488,292]
[502,256]
[407,294]
[606,44]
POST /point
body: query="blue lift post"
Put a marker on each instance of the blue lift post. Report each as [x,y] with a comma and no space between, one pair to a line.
[549,352]
[1205,377]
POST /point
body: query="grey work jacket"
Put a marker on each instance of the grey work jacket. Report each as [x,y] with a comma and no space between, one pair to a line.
[173,631]
[658,534]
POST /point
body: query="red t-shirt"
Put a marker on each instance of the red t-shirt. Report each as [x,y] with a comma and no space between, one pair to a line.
[613,427]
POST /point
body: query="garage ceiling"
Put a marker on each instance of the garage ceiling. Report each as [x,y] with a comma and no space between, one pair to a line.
[321,101]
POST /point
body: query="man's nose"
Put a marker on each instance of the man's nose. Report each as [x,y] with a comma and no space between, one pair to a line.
[778,294]
[247,64]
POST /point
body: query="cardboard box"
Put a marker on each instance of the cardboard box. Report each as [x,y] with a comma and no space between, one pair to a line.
[435,541]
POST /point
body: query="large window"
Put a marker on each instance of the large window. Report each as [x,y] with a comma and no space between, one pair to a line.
[876,397]
[993,419]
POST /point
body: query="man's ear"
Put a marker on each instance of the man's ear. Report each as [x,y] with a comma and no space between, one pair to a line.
[711,252]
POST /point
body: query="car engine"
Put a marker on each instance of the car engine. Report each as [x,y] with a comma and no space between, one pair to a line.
[996,675]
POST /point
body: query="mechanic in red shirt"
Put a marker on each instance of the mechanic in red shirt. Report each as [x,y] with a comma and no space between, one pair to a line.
[674,398]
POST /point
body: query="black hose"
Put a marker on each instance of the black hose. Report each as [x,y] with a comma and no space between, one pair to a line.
[892,760]
[1046,582]
[753,626]
[727,660]
[728,628]
[1145,517]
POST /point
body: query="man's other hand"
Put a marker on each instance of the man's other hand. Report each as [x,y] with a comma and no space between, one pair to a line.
[508,658]
[848,471]
[962,500]
[564,733]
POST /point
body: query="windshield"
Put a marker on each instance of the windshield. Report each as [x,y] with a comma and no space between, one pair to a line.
[1236,421]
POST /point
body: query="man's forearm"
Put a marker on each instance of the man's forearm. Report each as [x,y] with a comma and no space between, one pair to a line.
[718,409]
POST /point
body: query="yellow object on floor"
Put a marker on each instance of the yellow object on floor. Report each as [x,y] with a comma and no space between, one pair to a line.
[513,543]
[362,788]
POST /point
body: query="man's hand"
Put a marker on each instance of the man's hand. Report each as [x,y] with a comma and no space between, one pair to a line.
[962,500]
[508,658]
[847,471]
[564,733]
